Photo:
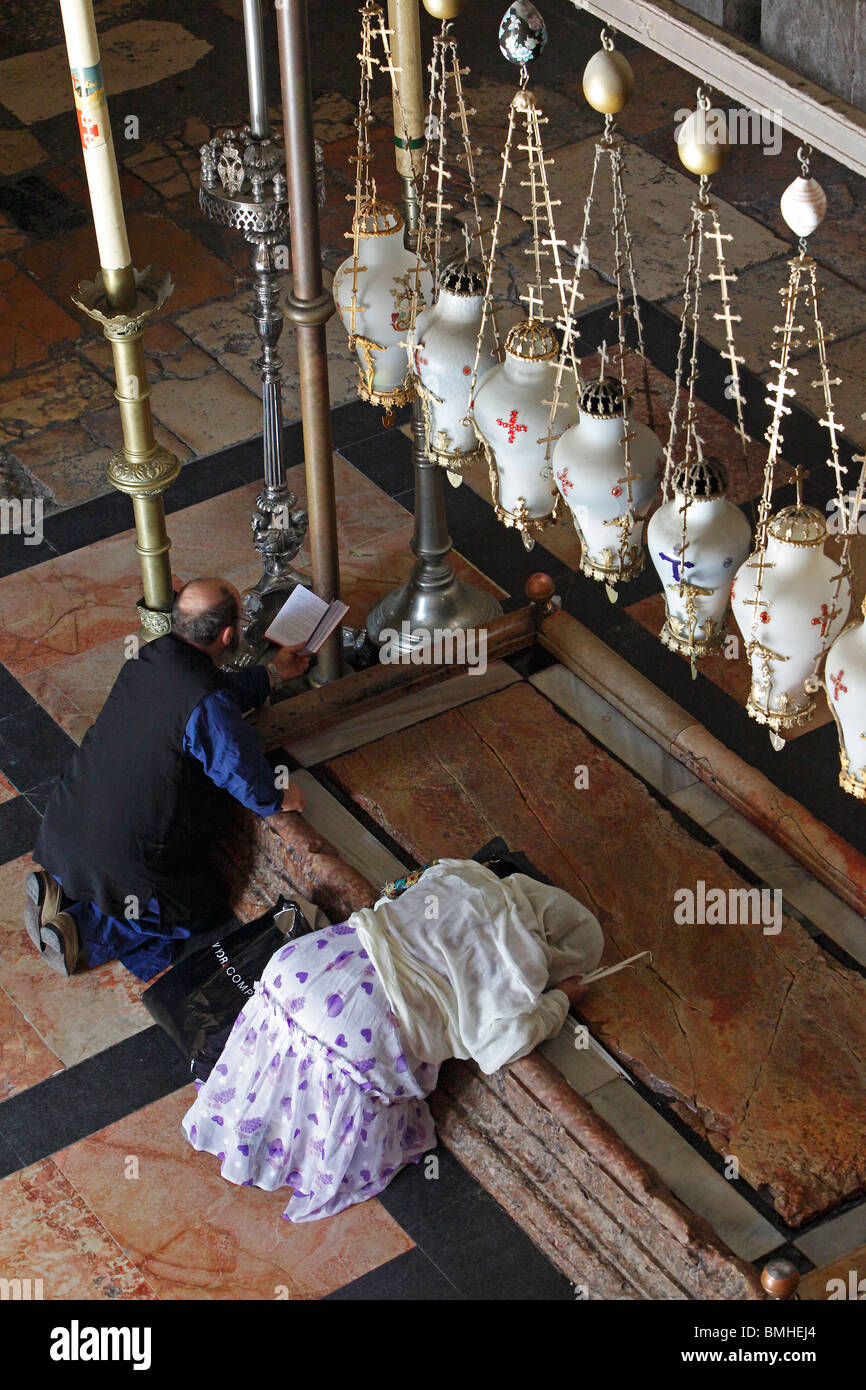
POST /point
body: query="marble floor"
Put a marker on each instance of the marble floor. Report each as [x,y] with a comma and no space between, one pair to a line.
[67,604]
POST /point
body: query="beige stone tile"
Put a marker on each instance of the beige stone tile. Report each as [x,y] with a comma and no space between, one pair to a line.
[48,395]
[226,331]
[19,149]
[35,85]
[333,117]
[659,206]
[49,1233]
[756,297]
[67,461]
[194,1236]
[76,1017]
[24,1058]
[74,689]
[208,413]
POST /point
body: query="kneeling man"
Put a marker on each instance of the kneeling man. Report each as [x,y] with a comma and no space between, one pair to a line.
[127,829]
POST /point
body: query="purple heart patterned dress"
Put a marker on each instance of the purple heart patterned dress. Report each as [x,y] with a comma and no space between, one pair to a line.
[315,1089]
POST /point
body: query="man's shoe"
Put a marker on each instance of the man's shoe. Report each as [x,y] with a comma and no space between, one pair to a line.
[43,900]
[60,944]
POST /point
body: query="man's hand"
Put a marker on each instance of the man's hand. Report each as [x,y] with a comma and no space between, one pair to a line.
[291,661]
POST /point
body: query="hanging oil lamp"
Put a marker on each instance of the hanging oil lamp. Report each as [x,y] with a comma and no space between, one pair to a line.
[511,412]
[696,560]
[446,335]
[606,465]
[443,337]
[607,468]
[376,287]
[697,539]
[510,407]
[790,599]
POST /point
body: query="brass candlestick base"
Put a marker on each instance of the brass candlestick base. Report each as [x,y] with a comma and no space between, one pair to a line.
[142,468]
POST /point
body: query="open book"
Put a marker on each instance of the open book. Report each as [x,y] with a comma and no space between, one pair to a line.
[304,617]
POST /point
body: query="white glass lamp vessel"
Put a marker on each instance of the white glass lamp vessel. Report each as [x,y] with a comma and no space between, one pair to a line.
[512,415]
[697,578]
[373,293]
[589,467]
[794,616]
[446,337]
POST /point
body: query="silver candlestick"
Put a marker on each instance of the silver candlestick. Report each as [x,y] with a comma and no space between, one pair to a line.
[243,186]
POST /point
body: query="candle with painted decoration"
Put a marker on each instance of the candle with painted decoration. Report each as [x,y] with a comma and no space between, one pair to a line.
[99,160]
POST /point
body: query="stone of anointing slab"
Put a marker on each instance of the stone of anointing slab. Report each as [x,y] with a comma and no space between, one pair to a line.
[759,1038]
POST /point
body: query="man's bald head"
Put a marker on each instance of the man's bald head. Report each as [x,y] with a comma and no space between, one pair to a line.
[202,611]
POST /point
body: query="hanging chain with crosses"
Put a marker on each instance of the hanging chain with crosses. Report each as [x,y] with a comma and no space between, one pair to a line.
[545,245]
[802,292]
[684,441]
[373,31]
[447,103]
[609,146]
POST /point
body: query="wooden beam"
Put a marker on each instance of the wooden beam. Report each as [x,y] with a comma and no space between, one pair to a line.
[742,72]
[365,690]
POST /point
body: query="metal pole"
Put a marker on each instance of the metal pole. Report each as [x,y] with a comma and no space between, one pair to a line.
[254,38]
[310,306]
[434,597]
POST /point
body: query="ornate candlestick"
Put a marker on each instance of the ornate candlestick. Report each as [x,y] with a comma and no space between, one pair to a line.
[243,186]
[122,299]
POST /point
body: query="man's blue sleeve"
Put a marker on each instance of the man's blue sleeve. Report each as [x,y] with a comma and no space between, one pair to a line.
[228,750]
[250,686]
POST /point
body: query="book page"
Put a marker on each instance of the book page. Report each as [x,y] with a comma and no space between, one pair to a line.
[297,618]
[329,620]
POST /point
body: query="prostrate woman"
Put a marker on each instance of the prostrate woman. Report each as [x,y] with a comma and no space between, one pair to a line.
[321,1086]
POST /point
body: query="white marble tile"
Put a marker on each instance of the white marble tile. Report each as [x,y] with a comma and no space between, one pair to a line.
[684,1171]
[700,802]
[835,1237]
[354,841]
[583,1068]
[605,723]
[411,709]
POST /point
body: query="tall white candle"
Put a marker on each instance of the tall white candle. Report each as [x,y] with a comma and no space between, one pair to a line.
[99,160]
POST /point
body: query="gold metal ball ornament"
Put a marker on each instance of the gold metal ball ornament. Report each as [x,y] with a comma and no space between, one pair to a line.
[702,140]
[444,9]
[608,81]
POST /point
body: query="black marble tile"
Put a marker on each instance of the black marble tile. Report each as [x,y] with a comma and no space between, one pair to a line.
[13,696]
[33,748]
[413,1196]
[19,826]
[16,554]
[386,459]
[357,421]
[411,1277]
[38,796]
[91,521]
[10,1161]
[487,1256]
[95,1093]
[40,209]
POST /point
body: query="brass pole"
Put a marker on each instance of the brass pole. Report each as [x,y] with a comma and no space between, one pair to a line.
[122,300]
[310,306]
[404,20]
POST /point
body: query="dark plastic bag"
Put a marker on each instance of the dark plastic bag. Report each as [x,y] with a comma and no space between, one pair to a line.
[197,1001]
[503,861]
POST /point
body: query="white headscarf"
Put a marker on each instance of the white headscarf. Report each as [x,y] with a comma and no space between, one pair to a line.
[467,960]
